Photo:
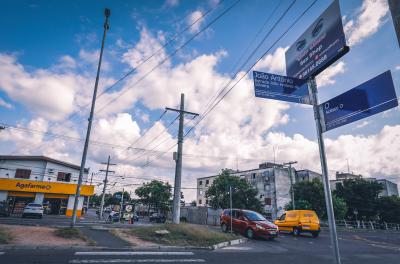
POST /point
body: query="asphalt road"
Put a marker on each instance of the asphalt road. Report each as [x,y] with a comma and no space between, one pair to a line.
[356,247]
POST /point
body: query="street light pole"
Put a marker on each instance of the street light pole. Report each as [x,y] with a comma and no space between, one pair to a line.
[86,146]
[230,203]
[291,181]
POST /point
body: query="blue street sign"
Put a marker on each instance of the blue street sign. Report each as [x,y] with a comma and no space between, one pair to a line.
[372,97]
[289,89]
[320,45]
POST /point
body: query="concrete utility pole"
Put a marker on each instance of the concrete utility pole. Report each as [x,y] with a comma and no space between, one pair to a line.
[291,181]
[178,169]
[85,148]
[105,185]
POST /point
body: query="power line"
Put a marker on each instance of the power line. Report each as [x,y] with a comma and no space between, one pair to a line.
[147,59]
[252,66]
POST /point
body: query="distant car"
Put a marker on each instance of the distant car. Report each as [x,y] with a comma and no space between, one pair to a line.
[107,210]
[4,210]
[135,217]
[113,217]
[33,209]
[158,218]
[299,221]
[249,223]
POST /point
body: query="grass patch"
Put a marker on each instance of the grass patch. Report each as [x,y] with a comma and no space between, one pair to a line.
[182,235]
[5,236]
[73,233]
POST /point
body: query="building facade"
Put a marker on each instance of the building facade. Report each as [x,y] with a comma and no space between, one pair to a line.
[389,188]
[272,181]
[39,179]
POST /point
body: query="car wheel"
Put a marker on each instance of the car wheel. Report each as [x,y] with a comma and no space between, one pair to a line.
[315,234]
[224,228]
[250,233]
[296,231]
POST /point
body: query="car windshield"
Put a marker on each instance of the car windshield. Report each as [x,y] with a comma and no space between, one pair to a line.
[253,216]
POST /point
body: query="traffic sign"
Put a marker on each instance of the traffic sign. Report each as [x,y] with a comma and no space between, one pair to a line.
[273,86]
[320,45]
[367,99]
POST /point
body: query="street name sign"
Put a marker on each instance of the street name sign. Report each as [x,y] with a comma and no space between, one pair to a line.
[273,86]
[372,97]
[320,45]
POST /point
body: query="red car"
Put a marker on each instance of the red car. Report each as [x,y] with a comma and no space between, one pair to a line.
[248,223]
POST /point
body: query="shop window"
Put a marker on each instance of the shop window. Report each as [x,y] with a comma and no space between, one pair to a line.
[62,176]
[22,174]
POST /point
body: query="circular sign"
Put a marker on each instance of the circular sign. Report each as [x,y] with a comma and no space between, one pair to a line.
[128,208]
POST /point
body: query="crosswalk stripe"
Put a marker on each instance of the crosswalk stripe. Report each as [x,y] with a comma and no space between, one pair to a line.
[88,261]
[133,253]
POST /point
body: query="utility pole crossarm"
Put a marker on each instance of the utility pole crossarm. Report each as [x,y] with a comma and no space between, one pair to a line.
[181,111]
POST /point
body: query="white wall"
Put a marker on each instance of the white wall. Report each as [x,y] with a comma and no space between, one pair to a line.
[9,168]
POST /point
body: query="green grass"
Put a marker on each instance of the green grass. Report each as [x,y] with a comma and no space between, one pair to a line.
[5,236]
[182,235]
[72,233]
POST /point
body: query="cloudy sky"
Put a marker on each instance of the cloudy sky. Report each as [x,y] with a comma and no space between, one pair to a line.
[48,58]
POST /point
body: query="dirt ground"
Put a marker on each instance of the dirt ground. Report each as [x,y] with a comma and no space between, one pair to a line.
[39,236]
[134,241]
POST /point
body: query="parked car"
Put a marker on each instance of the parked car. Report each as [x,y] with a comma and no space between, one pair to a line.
[299,221]
[33,209]
[158,218]
[248,223]
[4,209]
[113,216]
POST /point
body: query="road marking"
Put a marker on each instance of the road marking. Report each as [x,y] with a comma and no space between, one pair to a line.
[84,261]
[133,253]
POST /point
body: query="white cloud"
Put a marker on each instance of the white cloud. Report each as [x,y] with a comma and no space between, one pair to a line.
[327,76]
[5,104]
[171,3]
[369,19]
[397,67]
[275,62]
[92,58]
[195,17]
[363,124]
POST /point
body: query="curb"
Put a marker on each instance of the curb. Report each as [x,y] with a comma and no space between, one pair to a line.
[213,247]
[229,243]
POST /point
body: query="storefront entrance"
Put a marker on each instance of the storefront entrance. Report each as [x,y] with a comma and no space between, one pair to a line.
[18,200]
[55,204]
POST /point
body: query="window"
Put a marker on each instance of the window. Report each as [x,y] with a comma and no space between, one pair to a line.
[62,176]
[199,201]
[207,182]
[200,183]
[22,174]
[206,202]
[253,175]
[201,192]
[267,201]
[282,218]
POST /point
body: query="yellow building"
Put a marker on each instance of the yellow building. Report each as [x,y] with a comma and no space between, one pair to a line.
[39,179]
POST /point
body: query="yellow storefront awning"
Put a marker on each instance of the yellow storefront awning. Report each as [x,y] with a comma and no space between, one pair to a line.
[43,187]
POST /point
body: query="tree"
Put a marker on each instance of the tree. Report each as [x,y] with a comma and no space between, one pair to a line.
[155,194]
[389,209]
[361,195]
[243,194]
[309,195]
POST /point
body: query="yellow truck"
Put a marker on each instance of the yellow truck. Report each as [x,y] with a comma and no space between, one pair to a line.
[299,221]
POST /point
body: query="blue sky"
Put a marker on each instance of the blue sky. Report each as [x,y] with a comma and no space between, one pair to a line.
[43,40]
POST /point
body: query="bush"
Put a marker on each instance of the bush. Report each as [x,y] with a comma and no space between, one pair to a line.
[70,233]
[5,237]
